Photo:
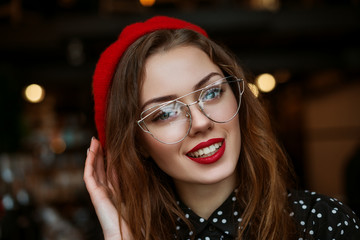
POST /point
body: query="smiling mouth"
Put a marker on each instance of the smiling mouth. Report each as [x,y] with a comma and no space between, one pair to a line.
[206,151]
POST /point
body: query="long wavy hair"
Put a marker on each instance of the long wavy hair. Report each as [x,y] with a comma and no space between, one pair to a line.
[144,195]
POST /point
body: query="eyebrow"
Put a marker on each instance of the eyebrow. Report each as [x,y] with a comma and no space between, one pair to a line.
[166,98]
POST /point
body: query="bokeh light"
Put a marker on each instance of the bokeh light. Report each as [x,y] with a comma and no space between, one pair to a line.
[265,82]
[147,3]
[34,93]
[58,145]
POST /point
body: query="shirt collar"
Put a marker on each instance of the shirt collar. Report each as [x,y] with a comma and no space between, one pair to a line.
[226,219]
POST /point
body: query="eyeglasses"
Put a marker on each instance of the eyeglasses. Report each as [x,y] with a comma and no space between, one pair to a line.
[170,122]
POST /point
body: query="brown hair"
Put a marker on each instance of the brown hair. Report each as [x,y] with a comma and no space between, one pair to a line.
[144,194]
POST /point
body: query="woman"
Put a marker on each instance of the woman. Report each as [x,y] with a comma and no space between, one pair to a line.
[189,150]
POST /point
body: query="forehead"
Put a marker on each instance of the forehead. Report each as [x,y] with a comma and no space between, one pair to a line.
[175,72]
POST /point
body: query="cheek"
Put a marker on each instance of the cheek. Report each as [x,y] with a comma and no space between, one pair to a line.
[159,152]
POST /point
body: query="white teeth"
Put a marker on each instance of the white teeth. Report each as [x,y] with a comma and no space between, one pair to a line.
[201,152]
[207,151]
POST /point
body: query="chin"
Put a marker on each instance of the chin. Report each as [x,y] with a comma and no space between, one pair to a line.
[216,176]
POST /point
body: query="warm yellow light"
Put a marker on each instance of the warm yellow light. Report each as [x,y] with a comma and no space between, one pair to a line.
[271,5]
[147,3]
[34,93]
[254,89]
[265,82]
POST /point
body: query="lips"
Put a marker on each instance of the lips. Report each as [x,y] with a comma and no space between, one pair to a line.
[207,152]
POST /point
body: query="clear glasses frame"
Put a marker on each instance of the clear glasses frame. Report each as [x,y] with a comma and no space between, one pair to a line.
[153,109]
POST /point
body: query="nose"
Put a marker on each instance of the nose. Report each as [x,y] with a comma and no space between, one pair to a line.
[199,122]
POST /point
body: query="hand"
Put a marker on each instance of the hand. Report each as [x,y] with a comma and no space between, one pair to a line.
[97,186]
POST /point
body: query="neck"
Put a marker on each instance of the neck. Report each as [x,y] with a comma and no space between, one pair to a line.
[204,199]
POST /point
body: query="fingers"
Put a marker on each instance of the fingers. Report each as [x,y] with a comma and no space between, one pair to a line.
[94,172]
[89,171]
[95,162]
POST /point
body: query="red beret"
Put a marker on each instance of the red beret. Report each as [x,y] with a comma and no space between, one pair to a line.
[109,59]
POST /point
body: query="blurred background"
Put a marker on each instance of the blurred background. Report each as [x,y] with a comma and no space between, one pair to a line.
[302,56]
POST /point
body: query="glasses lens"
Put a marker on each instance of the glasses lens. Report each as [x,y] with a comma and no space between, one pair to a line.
[221,102]
[169,123]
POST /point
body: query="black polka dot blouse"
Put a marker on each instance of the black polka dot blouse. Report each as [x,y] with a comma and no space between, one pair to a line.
[318,217]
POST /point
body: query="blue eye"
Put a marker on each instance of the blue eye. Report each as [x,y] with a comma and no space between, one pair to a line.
[163,115]
[211,94]
[167,113]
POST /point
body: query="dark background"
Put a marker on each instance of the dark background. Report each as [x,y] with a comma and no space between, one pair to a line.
[310,46]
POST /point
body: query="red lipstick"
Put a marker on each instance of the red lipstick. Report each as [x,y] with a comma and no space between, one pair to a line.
[210,159]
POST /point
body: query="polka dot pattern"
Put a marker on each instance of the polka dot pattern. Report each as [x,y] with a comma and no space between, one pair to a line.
[317,217]
[321,217]
[222,224]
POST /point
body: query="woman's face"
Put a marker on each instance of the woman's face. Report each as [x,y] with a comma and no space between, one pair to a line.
[175,73]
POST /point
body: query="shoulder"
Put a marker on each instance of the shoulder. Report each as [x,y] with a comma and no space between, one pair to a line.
[322,217]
